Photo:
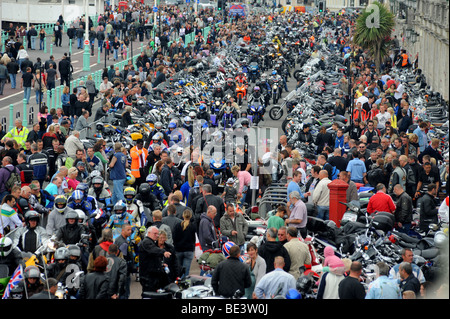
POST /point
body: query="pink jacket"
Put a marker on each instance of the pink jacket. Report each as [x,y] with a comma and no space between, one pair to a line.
[244,180]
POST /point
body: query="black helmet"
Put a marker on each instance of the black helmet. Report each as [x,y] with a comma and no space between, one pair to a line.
[31,215]
[304,283]
[144,189]
[72,215]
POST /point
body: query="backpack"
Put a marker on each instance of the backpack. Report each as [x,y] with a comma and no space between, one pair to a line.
[335,173]
[13,179]
[69,162]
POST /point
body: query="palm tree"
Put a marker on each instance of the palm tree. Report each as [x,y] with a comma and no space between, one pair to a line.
[373,31]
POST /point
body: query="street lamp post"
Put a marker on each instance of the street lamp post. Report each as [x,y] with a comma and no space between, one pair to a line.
[86,54]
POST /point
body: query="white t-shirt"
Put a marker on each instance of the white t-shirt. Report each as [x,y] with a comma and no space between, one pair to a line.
[382,119]
[400,89]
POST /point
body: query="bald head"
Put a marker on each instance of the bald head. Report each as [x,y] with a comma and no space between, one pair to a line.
[323,174]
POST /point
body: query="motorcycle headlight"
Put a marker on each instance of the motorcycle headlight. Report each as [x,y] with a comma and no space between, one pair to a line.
[217,165]
[253,108]
[217,103]
[274,86]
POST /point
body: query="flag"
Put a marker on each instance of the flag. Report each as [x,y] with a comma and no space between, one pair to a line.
[16,278]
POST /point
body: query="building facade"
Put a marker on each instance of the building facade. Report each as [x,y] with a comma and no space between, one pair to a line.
[422,27]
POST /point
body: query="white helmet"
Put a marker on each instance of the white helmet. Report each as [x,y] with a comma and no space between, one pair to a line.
[81,215]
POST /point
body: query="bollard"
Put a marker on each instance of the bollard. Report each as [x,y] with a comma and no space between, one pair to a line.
[338,193]
[70,47]
[48,99]
[11,117]
[58,96]
[52,101]
[45,45]
[51,48]
[25,120]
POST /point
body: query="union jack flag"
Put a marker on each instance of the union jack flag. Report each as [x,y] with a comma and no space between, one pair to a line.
[14,281]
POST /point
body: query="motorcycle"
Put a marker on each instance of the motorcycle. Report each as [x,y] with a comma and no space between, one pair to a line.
[219,165]
[276,90]
[228,117]
[256,110]
[241,92]
[253,74]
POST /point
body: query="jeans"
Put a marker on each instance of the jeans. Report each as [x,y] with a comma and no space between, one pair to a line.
[185,260]
[116,54]
[41,44]
[100,46]
[2,85]
[323,212]
[80,43]
[39,97]
[117,193]
[33,42]
[27,93]
[12,78]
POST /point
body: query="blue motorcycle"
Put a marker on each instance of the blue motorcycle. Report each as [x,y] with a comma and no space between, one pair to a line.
[256,111]
[219,165]
[228,118]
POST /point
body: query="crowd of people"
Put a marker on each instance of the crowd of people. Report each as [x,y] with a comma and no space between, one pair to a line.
[58,177]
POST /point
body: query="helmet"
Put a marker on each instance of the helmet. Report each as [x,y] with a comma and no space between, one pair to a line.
[217,136]
[144,189]
[31,272]
[95,173]
[157,137]
[304,283]
[274,72]
[202,107]
[293,294]
[256,88]
[5,246]
[226,248]
[62,253]
[77,195]
[31,214]
[192,115]
[180,149]
[120,209]
[83,187]
[245,122]
[99,127]
[74,251]
[158,126]
[60,200]
[187,120]
[81,215]
[97,183]
[130,179]
[151,178]
[72,215]
[172,125]
[129,191]
[181,82]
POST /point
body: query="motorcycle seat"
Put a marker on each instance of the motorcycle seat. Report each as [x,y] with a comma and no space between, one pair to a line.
[156,295]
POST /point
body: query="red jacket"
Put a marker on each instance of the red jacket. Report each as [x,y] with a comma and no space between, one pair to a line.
[381,202]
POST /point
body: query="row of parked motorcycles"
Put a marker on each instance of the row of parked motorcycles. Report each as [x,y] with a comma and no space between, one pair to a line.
[360,237]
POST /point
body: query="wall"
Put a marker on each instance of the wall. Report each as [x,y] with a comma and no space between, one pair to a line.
[40,12]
